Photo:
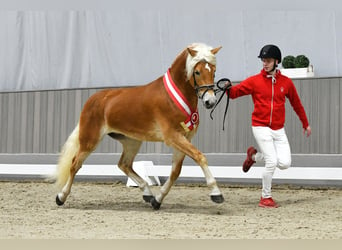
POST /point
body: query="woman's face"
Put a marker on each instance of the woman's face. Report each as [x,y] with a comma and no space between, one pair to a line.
[268,64]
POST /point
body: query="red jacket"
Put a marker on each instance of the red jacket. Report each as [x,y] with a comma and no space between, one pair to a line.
[269,99]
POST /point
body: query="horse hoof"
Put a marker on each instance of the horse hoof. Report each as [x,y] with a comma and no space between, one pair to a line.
[147,198]
[155,204]
[217,198]
[58,201]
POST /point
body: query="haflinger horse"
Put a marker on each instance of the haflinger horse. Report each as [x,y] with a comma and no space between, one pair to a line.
[162,110]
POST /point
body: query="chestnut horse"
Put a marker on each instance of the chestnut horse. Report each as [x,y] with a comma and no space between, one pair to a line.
[163,110]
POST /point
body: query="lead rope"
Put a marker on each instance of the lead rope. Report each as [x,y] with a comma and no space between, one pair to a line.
[224,89]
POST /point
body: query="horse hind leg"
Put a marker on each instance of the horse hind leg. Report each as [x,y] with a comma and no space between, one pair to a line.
[77,148]
[75,166]
[130,150]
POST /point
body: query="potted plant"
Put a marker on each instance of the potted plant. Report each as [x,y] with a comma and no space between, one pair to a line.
[288,62]
[297,67]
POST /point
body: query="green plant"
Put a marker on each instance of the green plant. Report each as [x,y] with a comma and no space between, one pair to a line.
[288,62]
[301,61]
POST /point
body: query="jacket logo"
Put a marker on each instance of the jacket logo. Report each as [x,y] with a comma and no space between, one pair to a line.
[281,89]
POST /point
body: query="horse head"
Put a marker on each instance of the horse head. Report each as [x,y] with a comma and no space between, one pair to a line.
[200,70]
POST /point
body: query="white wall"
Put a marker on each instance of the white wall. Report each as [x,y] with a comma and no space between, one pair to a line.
[133,42]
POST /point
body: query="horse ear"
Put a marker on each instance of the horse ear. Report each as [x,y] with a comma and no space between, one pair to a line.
[192,52]
[214,51]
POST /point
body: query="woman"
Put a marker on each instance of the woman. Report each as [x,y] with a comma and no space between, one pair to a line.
[268,90]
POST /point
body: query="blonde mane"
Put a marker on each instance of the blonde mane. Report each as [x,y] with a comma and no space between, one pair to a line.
[203,54]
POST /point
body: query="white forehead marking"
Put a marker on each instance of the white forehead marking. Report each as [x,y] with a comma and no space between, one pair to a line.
[203,53]
[207,67]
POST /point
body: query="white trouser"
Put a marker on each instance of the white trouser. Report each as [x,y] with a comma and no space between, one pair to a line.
[274,150]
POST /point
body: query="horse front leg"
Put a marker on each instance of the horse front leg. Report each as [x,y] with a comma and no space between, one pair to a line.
[183,145]
[215,195]
[177,162]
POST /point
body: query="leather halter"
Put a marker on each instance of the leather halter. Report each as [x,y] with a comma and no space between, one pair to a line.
[207,87]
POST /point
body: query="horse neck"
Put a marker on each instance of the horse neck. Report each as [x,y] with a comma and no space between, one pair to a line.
[178,75]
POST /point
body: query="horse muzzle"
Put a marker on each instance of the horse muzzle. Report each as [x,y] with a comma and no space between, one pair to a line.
[209,99]
[207,95]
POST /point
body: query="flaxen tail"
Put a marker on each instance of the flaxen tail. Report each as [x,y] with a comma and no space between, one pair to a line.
[68,152]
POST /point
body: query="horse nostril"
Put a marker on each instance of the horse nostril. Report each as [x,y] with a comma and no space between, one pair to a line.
[209,101]
[209,104]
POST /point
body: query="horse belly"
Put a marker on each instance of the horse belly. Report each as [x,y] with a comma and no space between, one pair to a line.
[135,125]
[132,113]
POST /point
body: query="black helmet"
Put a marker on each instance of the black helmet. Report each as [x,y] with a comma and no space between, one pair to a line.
[270,51]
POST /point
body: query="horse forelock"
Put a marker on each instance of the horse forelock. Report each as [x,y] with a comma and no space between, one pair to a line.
[203,54]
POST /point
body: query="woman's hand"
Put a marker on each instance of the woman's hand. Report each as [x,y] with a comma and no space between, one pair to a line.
[307,130]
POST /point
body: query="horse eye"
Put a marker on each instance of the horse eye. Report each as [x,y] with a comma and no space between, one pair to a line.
[197,73]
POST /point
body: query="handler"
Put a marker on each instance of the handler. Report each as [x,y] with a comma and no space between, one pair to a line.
[268,90]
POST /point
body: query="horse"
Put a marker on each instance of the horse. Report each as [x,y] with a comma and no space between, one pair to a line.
[163,110]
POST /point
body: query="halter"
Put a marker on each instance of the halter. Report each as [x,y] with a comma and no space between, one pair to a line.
[221,87]
[207,87]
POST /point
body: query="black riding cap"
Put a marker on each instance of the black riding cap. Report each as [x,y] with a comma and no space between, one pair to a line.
[270,51]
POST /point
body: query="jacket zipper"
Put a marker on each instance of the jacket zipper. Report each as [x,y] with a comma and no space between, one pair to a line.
[273,81]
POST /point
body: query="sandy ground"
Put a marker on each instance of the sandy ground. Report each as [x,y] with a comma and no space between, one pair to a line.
[114,211]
